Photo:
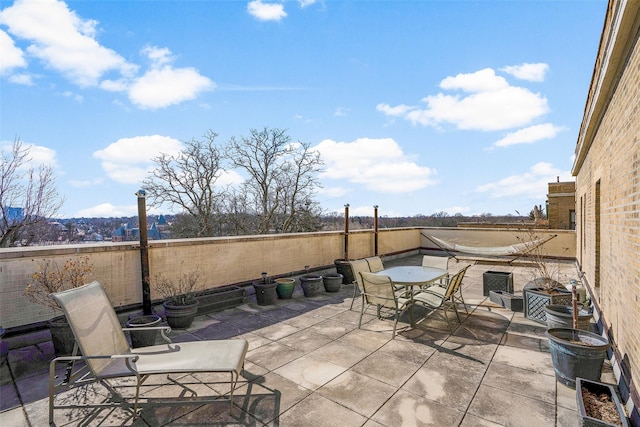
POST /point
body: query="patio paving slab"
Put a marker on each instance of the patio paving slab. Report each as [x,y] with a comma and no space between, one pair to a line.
[318,411]
[511,409]
[360,393]
[310,372]
[407,409]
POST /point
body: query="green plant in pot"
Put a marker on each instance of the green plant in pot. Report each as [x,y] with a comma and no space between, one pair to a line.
[50,278]
[180,303]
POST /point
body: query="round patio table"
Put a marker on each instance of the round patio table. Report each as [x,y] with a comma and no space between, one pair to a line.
[410,276]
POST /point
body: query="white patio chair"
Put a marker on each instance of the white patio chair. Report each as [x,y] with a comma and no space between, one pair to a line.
[107,355]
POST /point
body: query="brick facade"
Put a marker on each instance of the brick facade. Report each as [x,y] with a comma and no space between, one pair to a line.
[607,170]
[561,205]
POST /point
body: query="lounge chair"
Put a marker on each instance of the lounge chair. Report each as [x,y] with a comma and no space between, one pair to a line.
[380,292]
[106,354]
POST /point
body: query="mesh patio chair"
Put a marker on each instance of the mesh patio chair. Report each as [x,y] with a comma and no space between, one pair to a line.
[437,297]
[358,266]
[375,264]
[106,355]
[380,292]
[441,262]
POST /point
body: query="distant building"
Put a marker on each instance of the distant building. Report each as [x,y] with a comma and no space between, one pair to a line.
[126,233]
[561,205]
[13,214]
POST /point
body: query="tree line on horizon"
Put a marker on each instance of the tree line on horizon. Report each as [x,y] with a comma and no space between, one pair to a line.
[277,194]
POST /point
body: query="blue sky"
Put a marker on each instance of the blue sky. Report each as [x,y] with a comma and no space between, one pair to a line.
[419,107]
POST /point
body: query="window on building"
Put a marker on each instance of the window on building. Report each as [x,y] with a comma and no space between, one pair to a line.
[572,219]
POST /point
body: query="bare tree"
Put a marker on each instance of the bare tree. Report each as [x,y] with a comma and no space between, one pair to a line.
[188,180]
[282,178]
[28,196]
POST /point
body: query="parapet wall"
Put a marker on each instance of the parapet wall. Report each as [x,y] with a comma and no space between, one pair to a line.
[223,261]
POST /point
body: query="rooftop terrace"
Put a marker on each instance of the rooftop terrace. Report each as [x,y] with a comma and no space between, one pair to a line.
[309,364]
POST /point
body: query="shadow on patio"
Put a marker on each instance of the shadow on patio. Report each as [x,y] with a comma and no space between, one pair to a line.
[309,364]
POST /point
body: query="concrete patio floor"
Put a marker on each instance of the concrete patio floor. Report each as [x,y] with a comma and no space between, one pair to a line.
[309,365]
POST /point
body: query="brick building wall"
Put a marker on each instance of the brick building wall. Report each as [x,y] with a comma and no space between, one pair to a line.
[607,170]
[561,203]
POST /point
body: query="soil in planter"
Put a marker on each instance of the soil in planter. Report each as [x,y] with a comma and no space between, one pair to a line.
[600,407]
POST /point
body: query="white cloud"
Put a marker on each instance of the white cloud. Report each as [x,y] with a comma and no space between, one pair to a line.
[341,112]
[488,103]
[63,41]
[107,210]
[164,85]
[128,160]
[266,11]
[529,135]
[333,192]
[87,183]
[480,81]
[533,183]
[398,110]
[21,79]
[12,57]
[526,71]
[377,164]
[305,3]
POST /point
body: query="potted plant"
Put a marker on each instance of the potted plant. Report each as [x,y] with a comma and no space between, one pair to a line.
[265,290]
[180,303]
[285,287]
[561,316]
[545,286]
[332,282]
[49,278]
[344,267]
[576,353]
[143,337]
[312,284]
[599,405]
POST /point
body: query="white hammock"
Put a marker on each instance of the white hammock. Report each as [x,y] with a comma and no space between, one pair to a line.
[515,249]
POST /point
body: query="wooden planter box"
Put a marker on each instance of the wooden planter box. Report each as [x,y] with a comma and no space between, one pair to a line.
[507,300]
[600,389]
[220,299]
[535,300]
[497,281]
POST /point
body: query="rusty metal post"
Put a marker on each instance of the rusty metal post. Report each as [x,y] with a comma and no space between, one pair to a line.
[346,232]
[375,230]
[144,252]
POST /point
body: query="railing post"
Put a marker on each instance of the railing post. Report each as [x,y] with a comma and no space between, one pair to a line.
[144,252]
[375,230]
[346,232]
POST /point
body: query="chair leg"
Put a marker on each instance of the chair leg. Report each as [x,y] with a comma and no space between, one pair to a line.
[355,286]
[463,303]
[361,314]
[453,303]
